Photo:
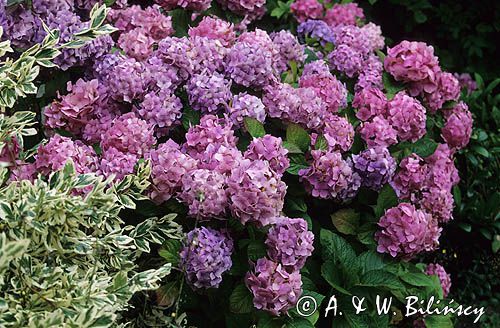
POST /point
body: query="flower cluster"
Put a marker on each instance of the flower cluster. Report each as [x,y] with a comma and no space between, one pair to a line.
[444,278]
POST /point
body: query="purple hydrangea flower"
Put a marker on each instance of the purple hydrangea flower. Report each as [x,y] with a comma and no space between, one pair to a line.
[256,193]
[274,289]
[206,257]
[315,29]
[161,110]
[208,92]
[378,132]
[270,149]
[407,116]
[245,105]
[332,91]
[290,243]
[127,80]
[339,133]
[346,59]
[344,14]
[289,49]
[115,162]
[406,231]
[318,67]
[205,194]
[375,166]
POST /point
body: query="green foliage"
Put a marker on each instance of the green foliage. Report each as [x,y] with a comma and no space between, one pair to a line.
[66,259]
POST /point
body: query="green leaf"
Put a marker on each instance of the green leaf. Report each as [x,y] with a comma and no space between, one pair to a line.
[190,117]
[170,251]
[495,245]
[292,148]
[296,135]
[391,86]
[335,247]
[381,278]
[481,151]
[387,198]
[256,250]
[417,279]
[254,127]
[299,323]
[321,143]
[423,147]
[457,196]
[346,221]
[369,261]
[340,277]
[438,321]
[240,300]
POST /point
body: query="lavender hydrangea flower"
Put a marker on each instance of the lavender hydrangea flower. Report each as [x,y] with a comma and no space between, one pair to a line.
[168,166]
[173,51]
[271,149]
[136,43]
[275,290]
[290,243]
[206,55]
[245,105]
[208,92]
[161,110]
[115,162]
[339,133]
[346,59]
[127,80]
[318,67]
[315,29]
[332,91]
[375,166]
[330,177]
[406,231]
[206,257]
[256,193]
[458,127]
[374,34]
[205,194]
[344,14]
[289,49]
[466,82]
[444,278]
[220,158]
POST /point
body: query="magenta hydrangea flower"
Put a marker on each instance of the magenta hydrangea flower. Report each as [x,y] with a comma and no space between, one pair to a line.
[330,177]
[208,92]
[204,192]
[58,150]
[129,134]
[127,80]
[136,43]
[23,171]
[444,278]
[407,116]
[250,65]
[215,29]
[150,19]
[9,152]
[411,176]
[168,166]
[256,193]
[206,55]
[306,9]
[344,14]
[369,102]
[339,133]
[211,131]
[270,149]
[206,257]
[289,243]
[413,62]
[173,51]
[442,170]
[274,289]
[346,59]
[161,110]
[458,128]
[352,36]
[115,162]
[448,89]
[220,158]
[288,48]
[406,232]
[315,29]
[375,166]
[378,132]
[332,91]
[438,202]
[245,105]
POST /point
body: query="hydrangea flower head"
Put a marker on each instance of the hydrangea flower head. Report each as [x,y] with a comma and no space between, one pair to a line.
[208,92]
[206,257]
[306,9]
[115,162]
[369,102]
[274,289]
[270,149]
[215,29]
[378,132]
[411,176]
[458,128]
[375,166]
[444,278]
[406,231]
[344,14]
[245,105]
[211,130]
[290,243]
[339,133]
[407,116]
[328,88]
[316,29]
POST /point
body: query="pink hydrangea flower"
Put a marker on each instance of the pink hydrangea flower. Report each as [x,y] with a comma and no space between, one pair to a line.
[407,116]
[274,289]
[136,43]
[215,29]
[444,278]
[406,232]
[458,128]
[344,14]
[438,202]
[115,162]
[378,132]
[448,89]
[270,149]
[245,105]
[220,158]
[204,192]
[411,176]
[256,193]
[332,91]
[369,102]
[306,9]
[339,133]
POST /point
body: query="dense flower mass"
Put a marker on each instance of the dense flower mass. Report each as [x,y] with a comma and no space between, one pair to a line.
[444,278]
[245,134]
[206,257]
[274,289]
[407,231]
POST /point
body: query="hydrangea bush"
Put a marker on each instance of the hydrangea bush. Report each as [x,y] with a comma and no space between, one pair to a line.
[310,163]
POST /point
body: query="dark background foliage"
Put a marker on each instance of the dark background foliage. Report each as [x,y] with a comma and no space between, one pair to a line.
[465,35]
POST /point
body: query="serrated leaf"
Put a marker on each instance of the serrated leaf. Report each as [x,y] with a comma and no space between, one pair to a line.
[240,300]
[387,198]
[346,221]
[254,127]
[296,135]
